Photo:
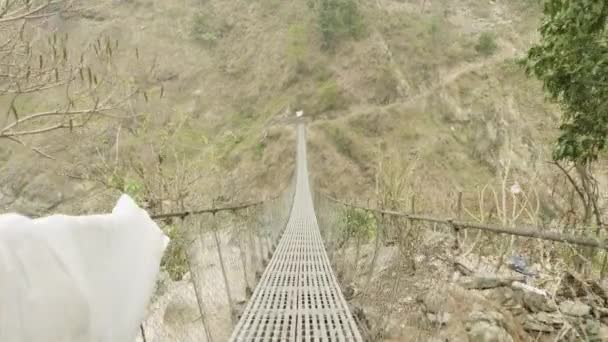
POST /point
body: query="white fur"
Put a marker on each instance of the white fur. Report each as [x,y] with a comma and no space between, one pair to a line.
[77,278]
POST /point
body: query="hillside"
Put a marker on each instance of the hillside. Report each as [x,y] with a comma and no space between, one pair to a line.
[402,98]
[411,85]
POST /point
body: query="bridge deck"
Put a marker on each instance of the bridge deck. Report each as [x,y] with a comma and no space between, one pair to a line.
[298,297]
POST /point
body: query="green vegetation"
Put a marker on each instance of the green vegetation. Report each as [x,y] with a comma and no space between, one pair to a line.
[259,149]
[129,186]
[329,97]
[337,20]
[297,48]
[175,259]
[570,60]
[486,44]
[206,29]
[342,141]
[386,86]
[359,224]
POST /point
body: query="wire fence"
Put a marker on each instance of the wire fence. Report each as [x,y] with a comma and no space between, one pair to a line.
[390,263]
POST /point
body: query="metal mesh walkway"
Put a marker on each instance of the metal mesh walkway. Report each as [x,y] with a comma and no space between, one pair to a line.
[298,297]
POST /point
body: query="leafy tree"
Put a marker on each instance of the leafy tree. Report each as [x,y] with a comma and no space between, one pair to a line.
[571,60]
[338,19]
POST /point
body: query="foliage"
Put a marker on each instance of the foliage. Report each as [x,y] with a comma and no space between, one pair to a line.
[338,19]
[486,44]
[342,141]
[259,149]
[329,97]
[359,224]
[175,259]
[386,86]
[321,72]
[131,187]
[297,48]
[571,61]
[207,30]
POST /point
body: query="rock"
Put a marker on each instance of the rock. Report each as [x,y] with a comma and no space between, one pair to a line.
[485,326]
[483,332]
[603,333]
[600,311]
[180,310]
[536,326]
[349,291]
[572,286]
[554,319]
[574,308]
[162,284]
[433,302]
[543,322]
[534,298]
[599,292]
[508,299]
[486,282]
[440,319]
[592,330]
[518,264]
[406,300]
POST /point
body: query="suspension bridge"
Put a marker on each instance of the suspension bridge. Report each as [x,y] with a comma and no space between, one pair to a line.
[298,297]
[282,263]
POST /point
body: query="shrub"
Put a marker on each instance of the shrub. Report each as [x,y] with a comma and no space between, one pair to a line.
[386,86]
[486,44]
[259,149]
[297,52]
[329,97]
[342,141]
[207,30]
[175,259]
[358,224]
[339,19]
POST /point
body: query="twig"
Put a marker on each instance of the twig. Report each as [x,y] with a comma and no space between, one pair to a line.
[143,332]
[35,149]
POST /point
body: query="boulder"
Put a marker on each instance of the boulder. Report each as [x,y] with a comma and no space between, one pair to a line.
[536,326]
[534,299]
[543,322]
[574,308]
[554,319]
[509,299]
[487,326]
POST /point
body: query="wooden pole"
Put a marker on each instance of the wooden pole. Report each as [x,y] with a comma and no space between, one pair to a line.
[458,216]
[527,231]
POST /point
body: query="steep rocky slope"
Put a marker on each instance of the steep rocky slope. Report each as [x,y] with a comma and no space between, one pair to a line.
[412,85]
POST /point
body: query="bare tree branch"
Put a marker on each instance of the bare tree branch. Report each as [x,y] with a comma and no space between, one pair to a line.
[24,13]
[35,149]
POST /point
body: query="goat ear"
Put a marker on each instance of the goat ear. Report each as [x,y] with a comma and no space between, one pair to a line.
[125,204]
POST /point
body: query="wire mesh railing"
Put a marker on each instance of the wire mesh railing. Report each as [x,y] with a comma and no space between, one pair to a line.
[223,252]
